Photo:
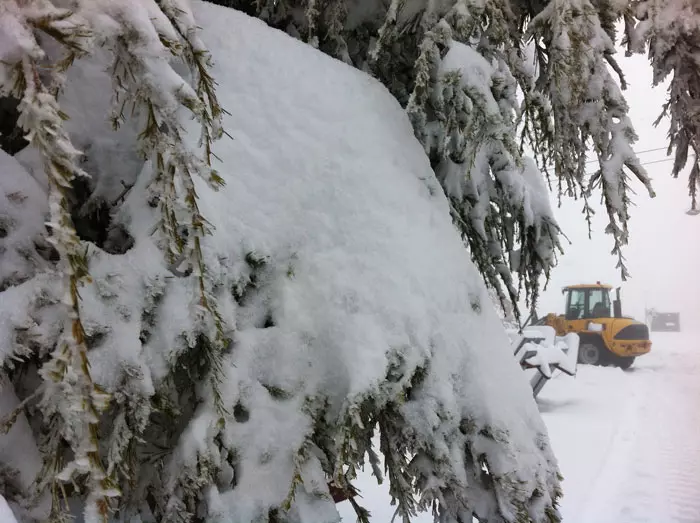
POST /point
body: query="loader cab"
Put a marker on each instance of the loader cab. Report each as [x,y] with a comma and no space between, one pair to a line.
[585,302]
[605,335]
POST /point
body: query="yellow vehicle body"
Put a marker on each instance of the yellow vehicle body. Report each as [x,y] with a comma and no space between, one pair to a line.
[600,327]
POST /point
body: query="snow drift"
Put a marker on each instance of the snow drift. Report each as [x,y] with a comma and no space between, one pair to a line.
[349,298]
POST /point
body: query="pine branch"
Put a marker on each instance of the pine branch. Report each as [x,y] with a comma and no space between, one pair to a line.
[41,117]
[183,225]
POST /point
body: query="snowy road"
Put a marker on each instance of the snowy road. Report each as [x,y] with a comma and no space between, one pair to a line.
[628,443]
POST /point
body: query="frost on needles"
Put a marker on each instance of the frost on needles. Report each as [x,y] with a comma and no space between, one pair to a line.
[40,43]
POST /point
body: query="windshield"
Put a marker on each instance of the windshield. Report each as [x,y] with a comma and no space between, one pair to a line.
[588,303]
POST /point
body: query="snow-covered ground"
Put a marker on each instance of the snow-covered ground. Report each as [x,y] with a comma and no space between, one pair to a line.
[628,442]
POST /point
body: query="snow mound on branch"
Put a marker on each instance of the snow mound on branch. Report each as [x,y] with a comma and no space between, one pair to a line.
[340,278]
[324,175]
[20,456]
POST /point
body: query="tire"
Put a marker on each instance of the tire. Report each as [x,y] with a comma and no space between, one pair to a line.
[589,354]
[624,363]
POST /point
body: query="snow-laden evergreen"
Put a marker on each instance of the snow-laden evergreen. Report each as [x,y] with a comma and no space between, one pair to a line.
[177,349]
[670,30]
[487,83]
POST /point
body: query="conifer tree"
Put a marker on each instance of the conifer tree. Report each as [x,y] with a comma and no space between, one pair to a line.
[483,85]
[122,391]
[671,33]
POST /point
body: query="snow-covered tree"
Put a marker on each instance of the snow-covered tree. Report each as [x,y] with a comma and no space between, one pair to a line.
[506,315]
[670,30]
[177,350]
[486,83]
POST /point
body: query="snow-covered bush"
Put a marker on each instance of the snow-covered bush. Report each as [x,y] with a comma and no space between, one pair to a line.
[487,83]
[179,350]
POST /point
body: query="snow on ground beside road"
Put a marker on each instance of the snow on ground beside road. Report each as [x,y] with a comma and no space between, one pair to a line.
[628,442]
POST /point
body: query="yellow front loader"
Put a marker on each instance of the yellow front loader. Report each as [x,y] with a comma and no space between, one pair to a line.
[606,337]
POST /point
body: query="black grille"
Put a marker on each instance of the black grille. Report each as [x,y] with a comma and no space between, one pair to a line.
[638,331]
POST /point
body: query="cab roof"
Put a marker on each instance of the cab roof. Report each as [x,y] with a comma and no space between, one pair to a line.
[596,285]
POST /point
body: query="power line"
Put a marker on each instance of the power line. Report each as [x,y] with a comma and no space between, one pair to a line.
[652,150]
[638,152]
[656,149]
[662,160]
[665,160]
[652,162]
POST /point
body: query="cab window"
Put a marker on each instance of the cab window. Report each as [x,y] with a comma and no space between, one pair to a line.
[599,303]
[588,303]
[576,306]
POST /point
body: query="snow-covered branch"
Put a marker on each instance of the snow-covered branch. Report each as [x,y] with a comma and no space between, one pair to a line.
[41,40]
[551,69]
[670,30]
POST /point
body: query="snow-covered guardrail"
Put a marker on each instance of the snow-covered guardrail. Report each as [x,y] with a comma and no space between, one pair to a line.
[541,353]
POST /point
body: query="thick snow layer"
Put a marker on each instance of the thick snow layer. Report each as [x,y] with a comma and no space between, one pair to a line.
[361,275]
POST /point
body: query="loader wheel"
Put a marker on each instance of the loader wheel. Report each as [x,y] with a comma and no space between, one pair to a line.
[589,354]
[625,363]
